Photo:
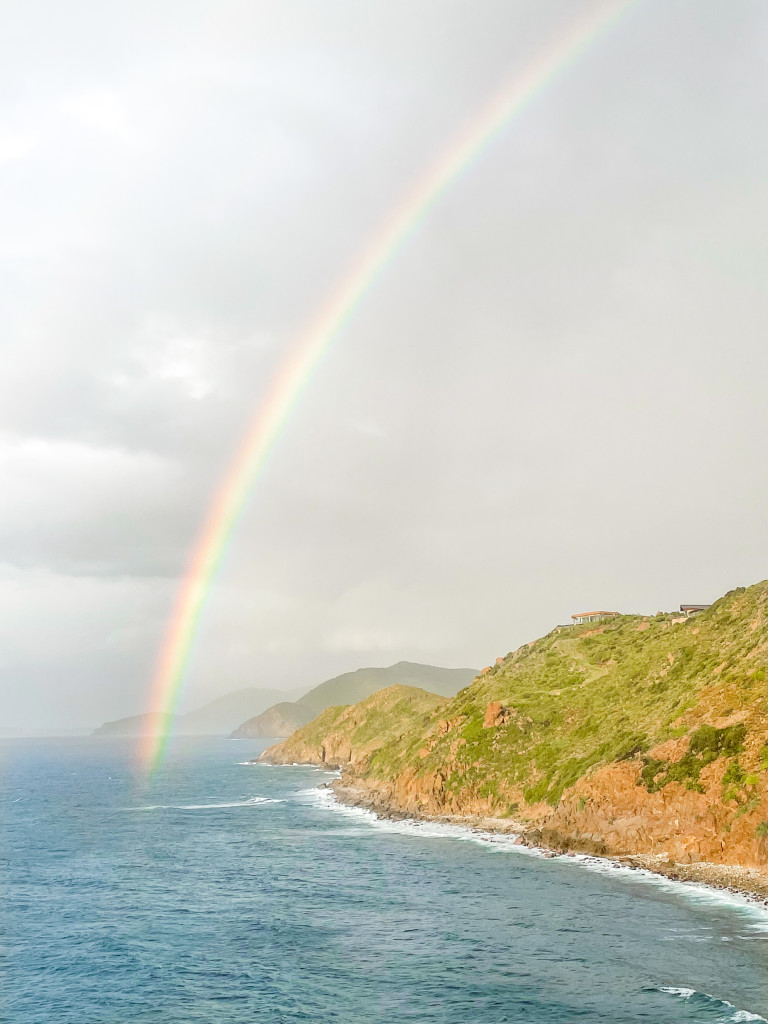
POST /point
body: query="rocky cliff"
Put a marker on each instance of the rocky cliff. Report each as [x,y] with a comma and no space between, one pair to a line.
[348,736]
[637,736]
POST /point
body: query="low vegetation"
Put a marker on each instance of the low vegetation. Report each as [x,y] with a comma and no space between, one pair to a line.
[707,744]
[590,695]
[343,733]
[655,708]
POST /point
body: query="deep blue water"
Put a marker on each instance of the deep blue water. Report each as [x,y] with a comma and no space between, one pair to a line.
[194,899]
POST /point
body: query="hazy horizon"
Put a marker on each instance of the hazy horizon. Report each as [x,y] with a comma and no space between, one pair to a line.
[552,400]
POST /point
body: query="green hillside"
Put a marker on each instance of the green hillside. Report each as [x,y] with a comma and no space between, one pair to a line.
[594,694]
[350,688]
[640,736]
[354,686]
[340,733]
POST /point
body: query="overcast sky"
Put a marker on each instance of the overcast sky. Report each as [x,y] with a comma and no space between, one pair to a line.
[554,399]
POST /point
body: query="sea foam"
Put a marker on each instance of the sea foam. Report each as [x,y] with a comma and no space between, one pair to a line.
[728,1012]
[293,764]
[755,911]
[254,801]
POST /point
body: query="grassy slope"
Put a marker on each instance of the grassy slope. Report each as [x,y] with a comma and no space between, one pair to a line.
[382,718]
[352,687]
[586,696]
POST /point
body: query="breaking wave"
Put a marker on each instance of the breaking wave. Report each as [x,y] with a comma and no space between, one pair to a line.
[324,798]
[292,764]
[726,1011]
[254,801]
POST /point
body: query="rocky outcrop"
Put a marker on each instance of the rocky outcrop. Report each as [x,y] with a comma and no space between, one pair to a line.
[334,751]
[686,825]
[348,736]
[415,803]
[610,812]
[495,714]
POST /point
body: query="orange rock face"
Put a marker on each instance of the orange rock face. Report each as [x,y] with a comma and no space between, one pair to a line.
[686,825]
[495,714]
[607,814]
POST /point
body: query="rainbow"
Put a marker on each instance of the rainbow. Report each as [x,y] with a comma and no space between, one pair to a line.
[296,370]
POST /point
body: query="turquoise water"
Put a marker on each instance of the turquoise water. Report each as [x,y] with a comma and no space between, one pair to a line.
[235,894]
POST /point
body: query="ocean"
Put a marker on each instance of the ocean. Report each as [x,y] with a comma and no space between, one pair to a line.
[226,892]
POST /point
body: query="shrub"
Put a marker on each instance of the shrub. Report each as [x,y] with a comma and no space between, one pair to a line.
[734,775]
[533,794]
[725,742]
[707,745]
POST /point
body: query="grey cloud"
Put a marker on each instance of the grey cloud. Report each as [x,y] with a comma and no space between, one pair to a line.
[552,397]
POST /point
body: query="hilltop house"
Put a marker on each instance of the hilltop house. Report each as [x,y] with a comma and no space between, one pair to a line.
[691,609]
[582,617]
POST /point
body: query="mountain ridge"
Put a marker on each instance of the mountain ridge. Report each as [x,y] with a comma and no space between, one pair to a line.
[350,688]
[217,717]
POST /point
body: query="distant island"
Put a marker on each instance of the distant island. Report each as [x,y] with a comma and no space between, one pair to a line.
[642,738]
[216,718]
[258,712]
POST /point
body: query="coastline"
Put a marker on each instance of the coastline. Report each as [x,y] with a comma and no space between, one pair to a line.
[749,883]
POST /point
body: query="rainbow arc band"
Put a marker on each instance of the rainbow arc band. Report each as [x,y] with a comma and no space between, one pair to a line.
[296,370]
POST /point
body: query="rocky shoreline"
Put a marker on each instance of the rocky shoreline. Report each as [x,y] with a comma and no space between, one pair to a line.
[742,881]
